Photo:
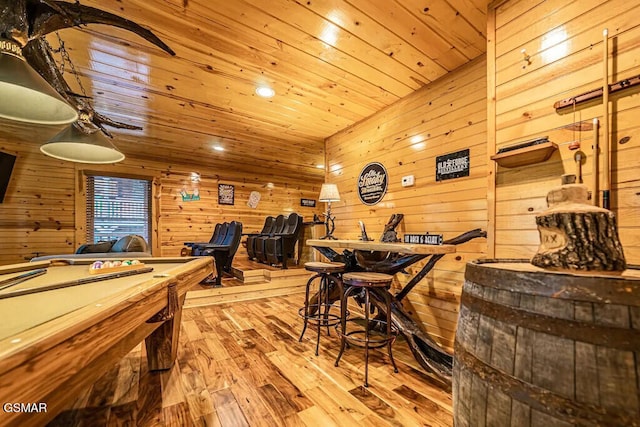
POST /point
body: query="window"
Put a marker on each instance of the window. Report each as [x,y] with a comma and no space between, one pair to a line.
[117,207]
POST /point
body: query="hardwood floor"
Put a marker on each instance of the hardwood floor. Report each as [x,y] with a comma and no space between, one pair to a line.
[241,364]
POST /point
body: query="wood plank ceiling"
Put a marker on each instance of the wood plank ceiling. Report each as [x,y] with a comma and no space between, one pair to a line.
[330,62]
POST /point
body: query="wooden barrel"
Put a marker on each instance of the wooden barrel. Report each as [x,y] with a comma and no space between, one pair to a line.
[545,349]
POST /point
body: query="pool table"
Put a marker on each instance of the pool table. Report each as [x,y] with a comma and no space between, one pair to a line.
[59,334]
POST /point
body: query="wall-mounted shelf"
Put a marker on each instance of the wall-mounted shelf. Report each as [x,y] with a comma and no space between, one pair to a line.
[526,155]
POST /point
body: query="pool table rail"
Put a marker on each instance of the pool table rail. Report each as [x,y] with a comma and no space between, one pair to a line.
[54,361]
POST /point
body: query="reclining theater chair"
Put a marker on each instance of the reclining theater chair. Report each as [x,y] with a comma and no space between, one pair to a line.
[224,251]
[251,237]
[219,233]
[281,247]
[259,242]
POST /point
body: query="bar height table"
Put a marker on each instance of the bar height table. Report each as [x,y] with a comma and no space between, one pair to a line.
[390,258]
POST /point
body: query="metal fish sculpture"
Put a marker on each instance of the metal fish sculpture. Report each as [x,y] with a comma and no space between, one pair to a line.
[27,22]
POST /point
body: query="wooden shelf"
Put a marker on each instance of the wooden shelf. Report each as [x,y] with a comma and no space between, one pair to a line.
[525,156]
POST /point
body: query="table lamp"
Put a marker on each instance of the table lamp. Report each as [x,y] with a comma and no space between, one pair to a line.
[329,193]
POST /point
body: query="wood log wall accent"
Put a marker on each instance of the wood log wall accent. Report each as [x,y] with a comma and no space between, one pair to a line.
[443,117]
[43,210]
[574,235]
[564,43]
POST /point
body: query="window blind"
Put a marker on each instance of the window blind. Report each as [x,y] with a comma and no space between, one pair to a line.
[117,207]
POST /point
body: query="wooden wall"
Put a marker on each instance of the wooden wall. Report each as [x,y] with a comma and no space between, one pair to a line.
[43,210]
[38,213]
[446,116]
[565,43]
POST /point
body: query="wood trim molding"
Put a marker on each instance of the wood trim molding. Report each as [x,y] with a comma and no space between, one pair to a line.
[491,127]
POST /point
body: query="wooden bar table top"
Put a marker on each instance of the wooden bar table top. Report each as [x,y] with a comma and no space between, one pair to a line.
[404,248]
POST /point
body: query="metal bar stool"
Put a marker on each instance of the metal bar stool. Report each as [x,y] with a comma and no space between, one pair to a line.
[318,312]
[377,332]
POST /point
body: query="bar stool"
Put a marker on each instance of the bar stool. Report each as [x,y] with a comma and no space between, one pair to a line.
[383,333]
[318,312]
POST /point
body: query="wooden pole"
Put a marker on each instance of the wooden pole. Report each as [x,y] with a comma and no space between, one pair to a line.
[605,123]
[595,195]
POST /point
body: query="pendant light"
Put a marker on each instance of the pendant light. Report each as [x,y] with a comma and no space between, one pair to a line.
[25,95]
[75,145]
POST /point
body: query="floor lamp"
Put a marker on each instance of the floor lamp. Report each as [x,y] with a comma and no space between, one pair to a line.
[329,193]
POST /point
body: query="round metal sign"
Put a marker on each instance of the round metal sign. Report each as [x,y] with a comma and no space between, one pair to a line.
[372,183]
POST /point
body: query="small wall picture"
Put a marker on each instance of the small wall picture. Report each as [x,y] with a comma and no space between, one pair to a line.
[225,194]
[310,203]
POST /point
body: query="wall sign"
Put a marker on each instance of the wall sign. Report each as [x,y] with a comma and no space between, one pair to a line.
[452,165]
[254,198]
[372,183]
[190,197]
[310,203]
[423,239]
[195,188]
[225,194]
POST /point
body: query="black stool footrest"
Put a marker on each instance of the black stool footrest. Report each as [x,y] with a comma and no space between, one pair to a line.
[320,318]
[377,338]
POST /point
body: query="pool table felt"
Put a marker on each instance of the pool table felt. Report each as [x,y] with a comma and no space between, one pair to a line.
[27,311]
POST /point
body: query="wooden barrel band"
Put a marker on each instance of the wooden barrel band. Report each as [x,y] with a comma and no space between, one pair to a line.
[565,286]
[607,336]
[539,398]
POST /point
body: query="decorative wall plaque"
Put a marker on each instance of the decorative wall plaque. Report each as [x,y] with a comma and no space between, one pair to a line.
[452,165]
[310,203]
[254,198]
[372,183]
[225,194]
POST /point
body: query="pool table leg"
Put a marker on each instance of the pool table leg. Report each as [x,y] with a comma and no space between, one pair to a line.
[162,344]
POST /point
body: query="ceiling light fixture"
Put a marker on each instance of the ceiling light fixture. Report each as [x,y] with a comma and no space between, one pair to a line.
[218,148]
[27,97]
[74,145]
[82,142]
[265,91]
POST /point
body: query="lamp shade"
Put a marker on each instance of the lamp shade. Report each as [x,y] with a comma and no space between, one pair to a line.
[26,96]
[329,193]
[73,145]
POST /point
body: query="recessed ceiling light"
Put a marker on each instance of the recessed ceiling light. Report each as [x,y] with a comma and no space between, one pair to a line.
[265,91]
[218,148]
[320,166]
